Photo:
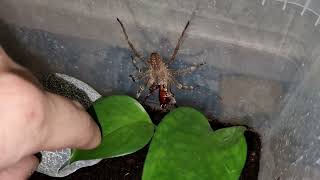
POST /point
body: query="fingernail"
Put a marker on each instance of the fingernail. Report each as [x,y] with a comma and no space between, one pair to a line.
[79,105]
[32,171]
[35,167]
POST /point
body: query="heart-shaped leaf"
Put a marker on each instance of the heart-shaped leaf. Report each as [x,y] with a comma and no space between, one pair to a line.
[126,127]
[184,147]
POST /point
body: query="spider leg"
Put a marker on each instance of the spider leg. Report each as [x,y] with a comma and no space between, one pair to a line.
[141,88]
[182,86]
[135,64]
[176,49]
[187,70]
[173,100]
[149,83]
[153,88]
[134,78]
[135,52]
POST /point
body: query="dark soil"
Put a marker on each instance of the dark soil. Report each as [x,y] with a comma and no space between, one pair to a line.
[130,167]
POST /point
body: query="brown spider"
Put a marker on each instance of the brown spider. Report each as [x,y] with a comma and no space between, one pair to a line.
[157,75]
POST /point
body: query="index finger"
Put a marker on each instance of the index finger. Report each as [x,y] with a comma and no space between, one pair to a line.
[67,124]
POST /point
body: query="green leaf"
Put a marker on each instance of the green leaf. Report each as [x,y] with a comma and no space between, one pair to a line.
[126,127]
[184,147]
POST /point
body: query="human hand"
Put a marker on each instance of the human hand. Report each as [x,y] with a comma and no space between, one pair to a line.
[33,120]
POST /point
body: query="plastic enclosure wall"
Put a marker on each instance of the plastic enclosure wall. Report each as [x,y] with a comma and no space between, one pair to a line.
[262,59]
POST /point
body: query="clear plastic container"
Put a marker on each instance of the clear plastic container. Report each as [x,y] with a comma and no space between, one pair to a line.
[262,60]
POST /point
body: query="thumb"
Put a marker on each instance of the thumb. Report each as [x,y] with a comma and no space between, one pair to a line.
[22,170]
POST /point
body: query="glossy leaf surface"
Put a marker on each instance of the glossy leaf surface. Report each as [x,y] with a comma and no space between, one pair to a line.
[185,147]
